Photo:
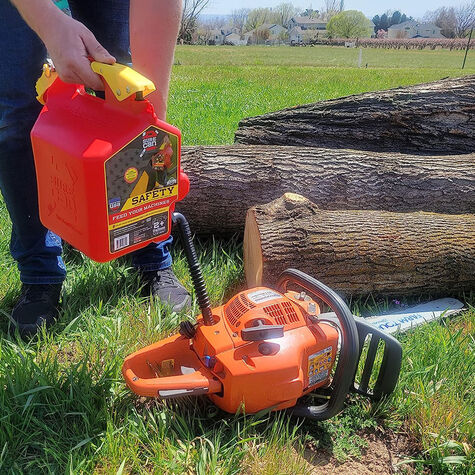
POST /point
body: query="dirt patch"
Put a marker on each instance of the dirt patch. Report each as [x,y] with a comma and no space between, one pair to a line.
[384,451]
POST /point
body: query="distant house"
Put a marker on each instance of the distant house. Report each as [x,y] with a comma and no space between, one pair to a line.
[228,29]
[296,35]
[216,37]
[307,23]
[275,30]
[414,29]
[236,39]
[299,36]
[267,33]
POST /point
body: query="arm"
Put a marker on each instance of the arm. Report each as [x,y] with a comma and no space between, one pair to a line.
[154,26]
[68,41]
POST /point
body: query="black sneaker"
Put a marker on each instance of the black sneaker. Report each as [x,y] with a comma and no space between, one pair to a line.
[37,306]
[164,285]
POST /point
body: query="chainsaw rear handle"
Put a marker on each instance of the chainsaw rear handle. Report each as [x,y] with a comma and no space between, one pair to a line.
[192,384]
[349,347]
[121,80]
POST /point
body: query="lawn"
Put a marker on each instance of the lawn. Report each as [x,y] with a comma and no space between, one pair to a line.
[213,88]
[63,404]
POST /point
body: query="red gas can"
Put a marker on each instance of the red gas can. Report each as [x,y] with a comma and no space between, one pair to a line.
[108,170]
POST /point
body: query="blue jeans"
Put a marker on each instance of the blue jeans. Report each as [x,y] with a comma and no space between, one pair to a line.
[22,54]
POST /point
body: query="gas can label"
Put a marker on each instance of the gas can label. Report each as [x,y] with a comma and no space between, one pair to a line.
[141,184]
[319,365]
[260,296]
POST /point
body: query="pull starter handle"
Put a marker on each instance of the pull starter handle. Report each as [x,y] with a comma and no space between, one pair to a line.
[261,331]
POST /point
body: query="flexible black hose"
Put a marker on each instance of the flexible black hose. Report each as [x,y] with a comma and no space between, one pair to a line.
[195,268]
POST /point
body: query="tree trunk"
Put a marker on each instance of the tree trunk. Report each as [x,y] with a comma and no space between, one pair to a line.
[433,118]
[361,252]
[227,180]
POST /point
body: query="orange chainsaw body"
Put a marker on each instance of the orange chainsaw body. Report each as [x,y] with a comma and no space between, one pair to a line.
[236,373]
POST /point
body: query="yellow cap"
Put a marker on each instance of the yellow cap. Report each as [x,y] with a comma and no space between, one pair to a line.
[44,82]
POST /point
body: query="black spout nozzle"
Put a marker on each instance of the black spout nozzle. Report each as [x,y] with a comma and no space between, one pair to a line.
[195,269]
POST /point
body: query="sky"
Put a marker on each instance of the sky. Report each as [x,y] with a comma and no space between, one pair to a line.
[370,8]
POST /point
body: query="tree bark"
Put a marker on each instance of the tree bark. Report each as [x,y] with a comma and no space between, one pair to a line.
[227,180]
[361,252]
[433,118]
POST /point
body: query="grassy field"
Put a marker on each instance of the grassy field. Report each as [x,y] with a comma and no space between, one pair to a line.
[213,88]
[63,405]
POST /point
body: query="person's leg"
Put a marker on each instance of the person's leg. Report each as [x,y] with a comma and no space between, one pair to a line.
[36,250]
[109,21]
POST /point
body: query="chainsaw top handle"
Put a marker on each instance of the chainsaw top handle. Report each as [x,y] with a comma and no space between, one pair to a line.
[349,344]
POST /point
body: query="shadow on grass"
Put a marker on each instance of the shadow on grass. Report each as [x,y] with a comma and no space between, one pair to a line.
[236,440]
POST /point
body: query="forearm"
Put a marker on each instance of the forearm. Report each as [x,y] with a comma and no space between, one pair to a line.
[69,42]
[154,26]
[40,15]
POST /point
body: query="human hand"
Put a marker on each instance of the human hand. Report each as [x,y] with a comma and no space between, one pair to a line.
[70,44]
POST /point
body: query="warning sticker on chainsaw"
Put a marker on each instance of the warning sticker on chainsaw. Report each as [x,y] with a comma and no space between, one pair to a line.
[141,185]
[319,365]
[260,296]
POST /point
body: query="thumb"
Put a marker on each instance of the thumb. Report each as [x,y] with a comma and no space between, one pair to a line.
[96,50]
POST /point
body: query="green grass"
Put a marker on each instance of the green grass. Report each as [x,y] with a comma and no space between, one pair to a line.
[213,88]
[63,404]
[322,56]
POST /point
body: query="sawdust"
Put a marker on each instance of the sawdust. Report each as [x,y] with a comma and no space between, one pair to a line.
[384,451]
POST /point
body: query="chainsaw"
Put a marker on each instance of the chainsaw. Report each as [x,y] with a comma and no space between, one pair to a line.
[266,348]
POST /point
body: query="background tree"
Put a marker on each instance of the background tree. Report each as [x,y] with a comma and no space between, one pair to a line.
[445,19]
[332,8]
[309,12]
[376,20]
[395,18]
[189,19]
[239,18]
[283,12]
[257,17]
[283,36]
[349,24]
[261,35]
[203,34]
[384,22]
[465,19]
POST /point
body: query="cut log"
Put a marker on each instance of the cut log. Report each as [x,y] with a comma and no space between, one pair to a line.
[227,180]
[360,252]
[433,118]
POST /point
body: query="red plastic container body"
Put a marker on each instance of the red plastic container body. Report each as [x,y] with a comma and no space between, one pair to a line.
[108,172]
